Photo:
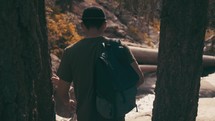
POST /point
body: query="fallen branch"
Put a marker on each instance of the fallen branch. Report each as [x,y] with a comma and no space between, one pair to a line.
[149,56]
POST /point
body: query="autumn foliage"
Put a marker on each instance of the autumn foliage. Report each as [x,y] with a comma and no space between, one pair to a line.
[61,31]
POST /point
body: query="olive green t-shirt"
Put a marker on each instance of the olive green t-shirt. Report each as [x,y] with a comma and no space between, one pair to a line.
[77,66]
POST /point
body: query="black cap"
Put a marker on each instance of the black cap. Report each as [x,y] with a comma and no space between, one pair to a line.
[93,13]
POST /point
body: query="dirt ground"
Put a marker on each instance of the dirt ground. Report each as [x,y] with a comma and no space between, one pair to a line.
[206,107]
[205,111]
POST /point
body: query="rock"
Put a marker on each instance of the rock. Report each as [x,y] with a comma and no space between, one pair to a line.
[55,61]
[209,48]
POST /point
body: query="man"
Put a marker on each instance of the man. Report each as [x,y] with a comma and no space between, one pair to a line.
[77,66]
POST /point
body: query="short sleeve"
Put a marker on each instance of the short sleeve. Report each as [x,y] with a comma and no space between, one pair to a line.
[64,71]
[129,54]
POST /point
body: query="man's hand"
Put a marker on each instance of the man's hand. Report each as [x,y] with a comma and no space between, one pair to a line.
[64,106]
[72,105]
[139,72]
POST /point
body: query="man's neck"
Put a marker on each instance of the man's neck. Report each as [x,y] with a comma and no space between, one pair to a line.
[93,32]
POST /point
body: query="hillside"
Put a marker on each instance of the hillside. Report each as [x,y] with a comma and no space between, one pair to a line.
[64,25]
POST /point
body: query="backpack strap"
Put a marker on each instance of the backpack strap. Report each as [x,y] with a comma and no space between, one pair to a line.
[115,42]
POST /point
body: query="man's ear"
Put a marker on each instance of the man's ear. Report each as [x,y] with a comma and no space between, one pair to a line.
[104,25]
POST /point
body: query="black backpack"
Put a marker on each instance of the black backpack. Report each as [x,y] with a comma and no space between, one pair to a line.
[115,81]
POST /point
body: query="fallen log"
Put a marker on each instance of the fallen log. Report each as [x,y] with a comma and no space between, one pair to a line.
[149,56]
[153,68]
[148,68]
[145,55]
[208,61]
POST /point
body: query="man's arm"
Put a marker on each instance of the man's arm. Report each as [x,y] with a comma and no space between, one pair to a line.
[134,64]
[62,92]
[139,72]
[63,103]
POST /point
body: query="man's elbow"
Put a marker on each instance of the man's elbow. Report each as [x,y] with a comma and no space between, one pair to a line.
[141,80]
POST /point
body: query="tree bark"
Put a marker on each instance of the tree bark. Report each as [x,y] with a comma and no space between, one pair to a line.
[183,24]
[25,86]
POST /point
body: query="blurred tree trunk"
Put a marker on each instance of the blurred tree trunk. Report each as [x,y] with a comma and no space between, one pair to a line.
[25,86]
[211,14]
[65,5]
[129,5]
[132,5]
[183,24]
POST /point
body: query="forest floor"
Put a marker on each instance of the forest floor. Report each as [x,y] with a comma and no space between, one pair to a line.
[205,110]
[145,100]
[206,106]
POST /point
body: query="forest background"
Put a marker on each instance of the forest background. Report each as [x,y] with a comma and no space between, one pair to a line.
[137,23]
[133,21]
[25,66]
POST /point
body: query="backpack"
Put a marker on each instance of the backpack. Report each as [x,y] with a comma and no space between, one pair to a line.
[115,81]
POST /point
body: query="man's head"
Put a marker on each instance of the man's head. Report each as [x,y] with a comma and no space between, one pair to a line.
[93,17]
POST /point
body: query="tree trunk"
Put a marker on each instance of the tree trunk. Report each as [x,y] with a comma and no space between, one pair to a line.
[183,24]
[25,86]
[128,4]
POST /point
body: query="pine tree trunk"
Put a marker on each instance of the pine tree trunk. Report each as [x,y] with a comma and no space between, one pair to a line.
[128,5]
[183,24]
[25,86]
